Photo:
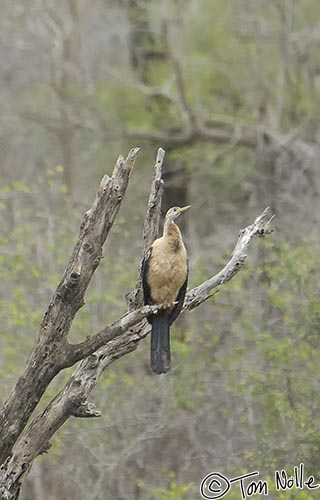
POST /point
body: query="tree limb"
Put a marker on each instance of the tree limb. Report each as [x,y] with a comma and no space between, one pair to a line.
[150,227]
[175,59]
[261,227]
[122,337]
[51,351]
[92,344]
[190,136]
[111,343]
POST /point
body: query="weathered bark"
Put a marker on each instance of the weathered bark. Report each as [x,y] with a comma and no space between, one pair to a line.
[52,351]
[21,444]
[199,294]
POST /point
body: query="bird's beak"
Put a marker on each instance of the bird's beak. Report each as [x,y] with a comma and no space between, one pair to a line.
[183,209]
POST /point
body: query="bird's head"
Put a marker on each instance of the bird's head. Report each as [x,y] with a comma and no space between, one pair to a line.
[174,212]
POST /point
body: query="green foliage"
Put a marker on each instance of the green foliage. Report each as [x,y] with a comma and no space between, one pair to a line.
[274,366]
[28,255]
[174,491]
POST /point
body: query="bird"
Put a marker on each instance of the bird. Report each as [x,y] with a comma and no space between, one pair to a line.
[164,282]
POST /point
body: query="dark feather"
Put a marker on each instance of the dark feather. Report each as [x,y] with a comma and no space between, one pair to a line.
[146,289]
[160,344]
[175,311]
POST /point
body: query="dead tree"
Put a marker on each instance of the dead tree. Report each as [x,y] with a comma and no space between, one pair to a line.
[24,435]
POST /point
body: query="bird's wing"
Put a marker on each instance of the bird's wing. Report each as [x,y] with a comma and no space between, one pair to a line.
[175,311]
[145,286]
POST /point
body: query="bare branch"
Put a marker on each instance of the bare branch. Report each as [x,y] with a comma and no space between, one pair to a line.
[120,338]
[150,227]
[175,58]
[261,226]
[71,401]
[152,219]
[111,343]
[51,351]
[87,410]
[92,344]
[188,137]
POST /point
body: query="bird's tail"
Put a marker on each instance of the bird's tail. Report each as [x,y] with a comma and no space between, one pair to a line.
[160,344]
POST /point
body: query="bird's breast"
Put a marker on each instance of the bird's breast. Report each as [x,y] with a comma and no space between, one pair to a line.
[167,271]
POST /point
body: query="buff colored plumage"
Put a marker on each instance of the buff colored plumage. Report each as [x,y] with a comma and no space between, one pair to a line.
[164,278]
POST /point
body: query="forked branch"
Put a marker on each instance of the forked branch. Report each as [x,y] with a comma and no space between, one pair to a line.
[111,343]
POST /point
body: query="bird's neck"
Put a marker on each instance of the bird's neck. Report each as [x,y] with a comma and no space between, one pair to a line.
[171,230]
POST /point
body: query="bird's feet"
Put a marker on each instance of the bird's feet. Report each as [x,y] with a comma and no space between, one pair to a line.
[166,305]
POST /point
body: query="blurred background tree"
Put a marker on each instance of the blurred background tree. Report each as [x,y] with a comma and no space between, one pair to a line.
[231,90]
